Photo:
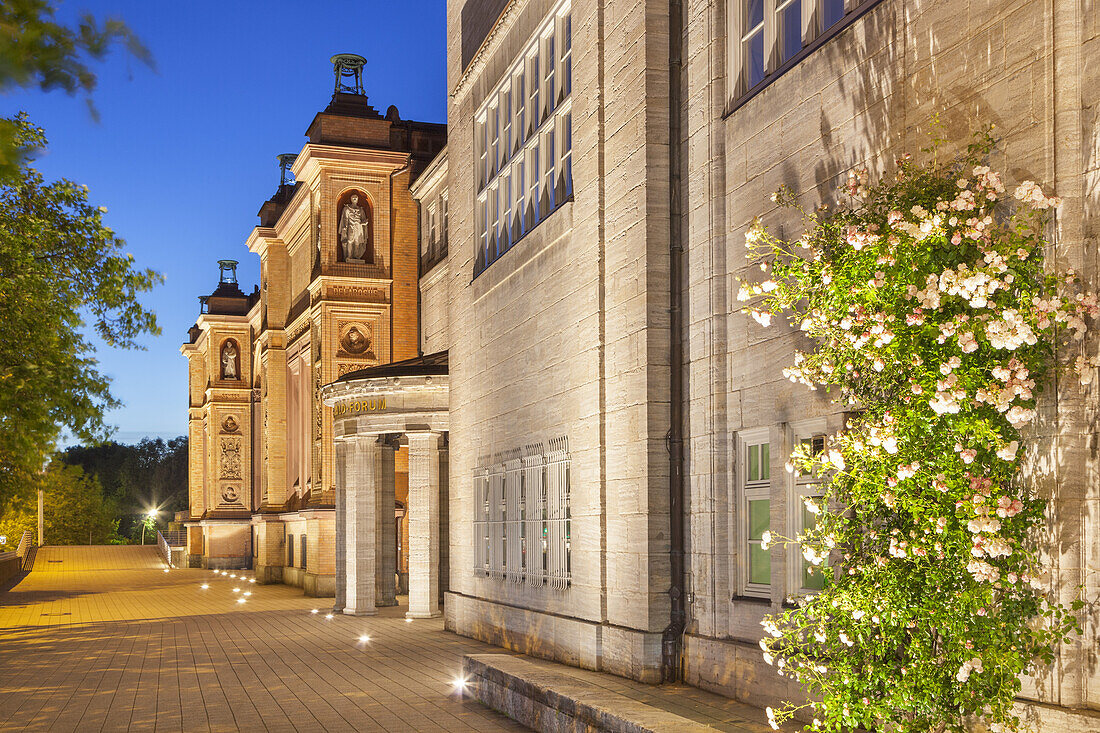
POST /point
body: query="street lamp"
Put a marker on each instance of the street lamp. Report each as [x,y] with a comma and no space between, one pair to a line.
[151,514]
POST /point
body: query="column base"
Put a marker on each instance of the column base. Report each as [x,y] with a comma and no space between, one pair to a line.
[354,612]
[420,614]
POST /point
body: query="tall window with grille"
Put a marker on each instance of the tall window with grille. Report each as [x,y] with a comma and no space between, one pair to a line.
[523,140]
[522,522]
[764,36]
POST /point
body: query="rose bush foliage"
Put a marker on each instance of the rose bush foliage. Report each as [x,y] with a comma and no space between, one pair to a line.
[934,319]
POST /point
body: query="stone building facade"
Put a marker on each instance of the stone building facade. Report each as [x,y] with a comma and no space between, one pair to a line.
[574,325]
[338,249]
[562,292]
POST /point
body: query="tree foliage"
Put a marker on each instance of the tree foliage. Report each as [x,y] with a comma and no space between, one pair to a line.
[136,478]
[38,51]
[935,319]
[75,510]
[61,271]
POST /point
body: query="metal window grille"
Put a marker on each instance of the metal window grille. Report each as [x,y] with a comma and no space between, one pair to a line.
[522,529]
[481,522]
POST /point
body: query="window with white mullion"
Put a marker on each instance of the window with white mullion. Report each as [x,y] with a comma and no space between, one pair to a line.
[506,125]
[763,35]
[754,50]
[505,193]
[534,83]
[494,148]
[548,163]
[754,507]
[482,153]
[519,191]
[549,69]
[566,66]
[531,210]
[789,28]
[565,165]
[519,105]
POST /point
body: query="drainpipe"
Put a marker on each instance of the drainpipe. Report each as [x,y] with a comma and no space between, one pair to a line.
[672,638]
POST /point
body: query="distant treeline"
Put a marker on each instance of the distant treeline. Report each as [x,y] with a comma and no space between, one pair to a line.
[102,494]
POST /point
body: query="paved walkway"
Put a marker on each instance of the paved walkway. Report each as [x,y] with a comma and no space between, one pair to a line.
[101,638]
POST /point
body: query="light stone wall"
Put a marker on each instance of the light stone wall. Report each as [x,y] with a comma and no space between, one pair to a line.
[864,98]
[567,335]
[434,307]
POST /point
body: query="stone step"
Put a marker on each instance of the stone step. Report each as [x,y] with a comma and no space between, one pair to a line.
[550,697]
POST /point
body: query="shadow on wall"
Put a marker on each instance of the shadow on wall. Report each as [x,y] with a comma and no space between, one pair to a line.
[884,87]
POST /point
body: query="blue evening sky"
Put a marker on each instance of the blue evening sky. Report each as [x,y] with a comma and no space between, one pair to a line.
[184,156]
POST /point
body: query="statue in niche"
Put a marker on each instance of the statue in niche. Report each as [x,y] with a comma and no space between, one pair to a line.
[353,230]
[230,361]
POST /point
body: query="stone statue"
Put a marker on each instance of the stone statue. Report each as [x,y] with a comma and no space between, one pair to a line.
[229,361]
[353,230]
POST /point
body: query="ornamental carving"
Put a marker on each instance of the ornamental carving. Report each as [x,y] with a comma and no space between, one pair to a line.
[230,424]
[230,494]
[231,459]
[357,339]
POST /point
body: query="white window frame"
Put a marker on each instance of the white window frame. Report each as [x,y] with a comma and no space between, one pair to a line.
[748,490]
[812,20]
[801,486]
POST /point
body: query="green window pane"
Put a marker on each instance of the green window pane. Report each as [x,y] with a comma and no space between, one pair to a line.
[759,518]
[759,462]
[809,521]
[760,565]
[816,581]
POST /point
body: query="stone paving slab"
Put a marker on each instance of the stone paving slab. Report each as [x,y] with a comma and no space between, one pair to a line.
[106,640]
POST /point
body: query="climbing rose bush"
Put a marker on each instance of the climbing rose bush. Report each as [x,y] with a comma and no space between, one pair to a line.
[933,318]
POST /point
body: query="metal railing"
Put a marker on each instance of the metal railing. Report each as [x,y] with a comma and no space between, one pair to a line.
[165,548]
[25,549]
[175,537]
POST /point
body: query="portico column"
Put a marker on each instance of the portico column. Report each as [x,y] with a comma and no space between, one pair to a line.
[362,480]
[423,525]
[386,532]
[341,526]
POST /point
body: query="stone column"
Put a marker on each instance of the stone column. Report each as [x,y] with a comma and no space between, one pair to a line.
[386,547]
[362,479]
[341,526]
[423,525]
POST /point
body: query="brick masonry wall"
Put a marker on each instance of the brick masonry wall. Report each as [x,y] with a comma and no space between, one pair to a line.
[862,99]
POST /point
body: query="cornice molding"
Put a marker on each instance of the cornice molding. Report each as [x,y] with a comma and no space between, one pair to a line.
[488,46]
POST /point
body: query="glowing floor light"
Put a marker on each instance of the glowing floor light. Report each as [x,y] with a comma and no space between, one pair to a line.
[364,638]
[204,586]
[240,600]
[314,611]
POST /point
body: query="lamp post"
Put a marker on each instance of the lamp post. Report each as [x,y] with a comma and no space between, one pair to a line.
[151,514]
